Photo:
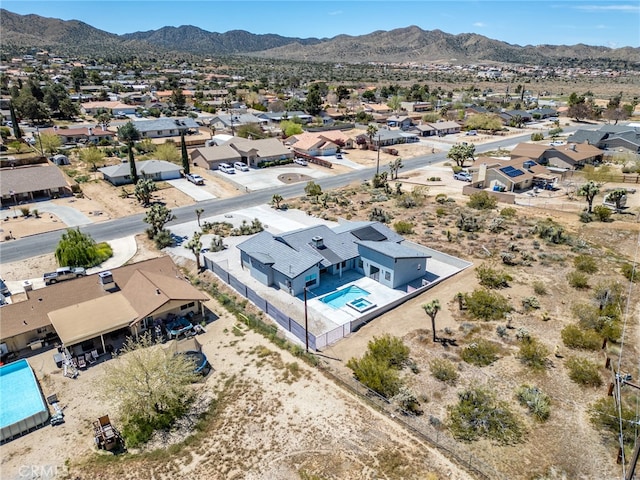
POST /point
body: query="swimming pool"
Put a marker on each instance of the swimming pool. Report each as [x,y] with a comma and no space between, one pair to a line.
[361,304]
[22,406]
[342,297]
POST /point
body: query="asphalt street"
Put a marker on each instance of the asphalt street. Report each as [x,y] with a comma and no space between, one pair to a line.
[40,244]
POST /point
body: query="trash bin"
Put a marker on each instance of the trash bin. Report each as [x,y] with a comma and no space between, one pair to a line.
[27,285]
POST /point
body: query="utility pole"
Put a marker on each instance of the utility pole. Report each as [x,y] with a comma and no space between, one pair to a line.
[306,322]
[378,162]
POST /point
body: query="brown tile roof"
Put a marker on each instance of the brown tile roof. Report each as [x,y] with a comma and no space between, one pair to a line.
[158,273]
[577,151]
[78,132]
[31,178]
[529,150]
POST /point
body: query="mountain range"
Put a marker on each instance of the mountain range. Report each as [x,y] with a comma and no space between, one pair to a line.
[410,44]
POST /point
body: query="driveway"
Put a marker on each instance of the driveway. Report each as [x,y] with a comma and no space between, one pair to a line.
[67,215]
[196,192]
[346,162]
[262,178]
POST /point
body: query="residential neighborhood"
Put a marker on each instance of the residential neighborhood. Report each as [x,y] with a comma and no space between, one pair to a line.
[274,268]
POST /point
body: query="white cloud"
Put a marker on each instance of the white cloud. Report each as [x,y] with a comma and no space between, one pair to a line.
[336,12]
[479,24]
[612,8]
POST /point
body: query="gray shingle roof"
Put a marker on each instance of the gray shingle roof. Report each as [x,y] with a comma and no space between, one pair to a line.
[393,250]
[143,167]
[31,179]
[165,124]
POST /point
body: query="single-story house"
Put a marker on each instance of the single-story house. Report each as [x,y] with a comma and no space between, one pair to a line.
[320,143]
[230,121]
[510,116]
[543,112]
[81,134]
[416,107]
[83,313]
[211,157]
[166,127]
[92,108]
[446,127]
[612,137]
[276,117]
[30,182]
[510,175]
[403,122]
[570,156]
[150,169]
[300,259]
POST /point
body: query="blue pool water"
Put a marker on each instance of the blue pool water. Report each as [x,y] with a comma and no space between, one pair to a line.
[342,297]
[20,396]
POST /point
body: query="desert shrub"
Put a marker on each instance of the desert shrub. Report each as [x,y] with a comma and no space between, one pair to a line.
[487,305]
[535,400]
[376,374]
[403,227]
[444,370]
[530,303]
[591,317]
[163,239]
[492,278]
[407,401]
[630,272]
[584,372]
[602,213]
[379,215]
[478,414]
[578,280]
[482,201]
[468,223]
[508,212]
[540,288]
[586,217]
[378,368]
[575,337]
[480,353]
[604,414]
[441,198]
[585,263]
[533,353]
[552,232]
[502,331]
[441,211]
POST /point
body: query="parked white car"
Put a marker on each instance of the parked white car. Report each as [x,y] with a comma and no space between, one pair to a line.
[193,178]
[226,168]
[301,161]
[464,176]
[241,166]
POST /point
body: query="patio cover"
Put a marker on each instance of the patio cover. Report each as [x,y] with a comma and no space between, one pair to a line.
[90,319]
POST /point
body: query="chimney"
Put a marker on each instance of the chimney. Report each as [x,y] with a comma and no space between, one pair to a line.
[106,280]
[573,147]
[318,241]
[90,131]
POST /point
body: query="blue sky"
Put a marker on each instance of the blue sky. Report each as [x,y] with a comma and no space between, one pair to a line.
[611,23]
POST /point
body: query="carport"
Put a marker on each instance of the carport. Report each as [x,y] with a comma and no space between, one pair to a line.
[95,318]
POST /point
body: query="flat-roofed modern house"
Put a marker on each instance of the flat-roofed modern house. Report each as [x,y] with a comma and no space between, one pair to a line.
[84,313]
[300,259]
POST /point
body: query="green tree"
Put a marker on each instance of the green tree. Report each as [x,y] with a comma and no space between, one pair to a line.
[14,122]
[167,151]
[195,245]
[484,121]
[372,130]
[250,131]
[151,386]
[77,249]
[460,153]
[78,77]
[431,309]
[617,197]
[144,190]
[394,103]
[313,190]
[157,217]
[104,119]
[178,99]
[183,151]
[482,201]
[589,190]
[290,127]
[92,156]
[50,142]
[129,134]
[313,105]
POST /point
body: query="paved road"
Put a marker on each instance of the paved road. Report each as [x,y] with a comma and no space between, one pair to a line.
[46,242]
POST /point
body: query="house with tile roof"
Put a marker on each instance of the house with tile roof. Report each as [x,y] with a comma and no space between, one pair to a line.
[84,313]
[319,143]
[92,108]
[571,156]
[80,134]
[300,259]
[238,149]
[32,182]
[155,170]
[511,175]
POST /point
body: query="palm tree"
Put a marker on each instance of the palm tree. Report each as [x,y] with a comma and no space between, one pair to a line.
[371,132]
[432,308]
[589,190]
[129,134]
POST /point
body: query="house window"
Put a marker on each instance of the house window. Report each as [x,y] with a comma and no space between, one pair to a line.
[343,264]
[310,280]
[159,132]
[387,276]
[187,306]
[147,322]
[360,263]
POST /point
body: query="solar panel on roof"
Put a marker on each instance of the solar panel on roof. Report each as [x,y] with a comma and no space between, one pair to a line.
[511,172]
[368,233]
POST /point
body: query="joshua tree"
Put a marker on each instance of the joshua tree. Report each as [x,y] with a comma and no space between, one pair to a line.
[276,200]
[589,190]
[199,211]
[432,308]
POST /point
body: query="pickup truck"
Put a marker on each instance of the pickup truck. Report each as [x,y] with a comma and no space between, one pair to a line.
[193,178]
[62,274]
